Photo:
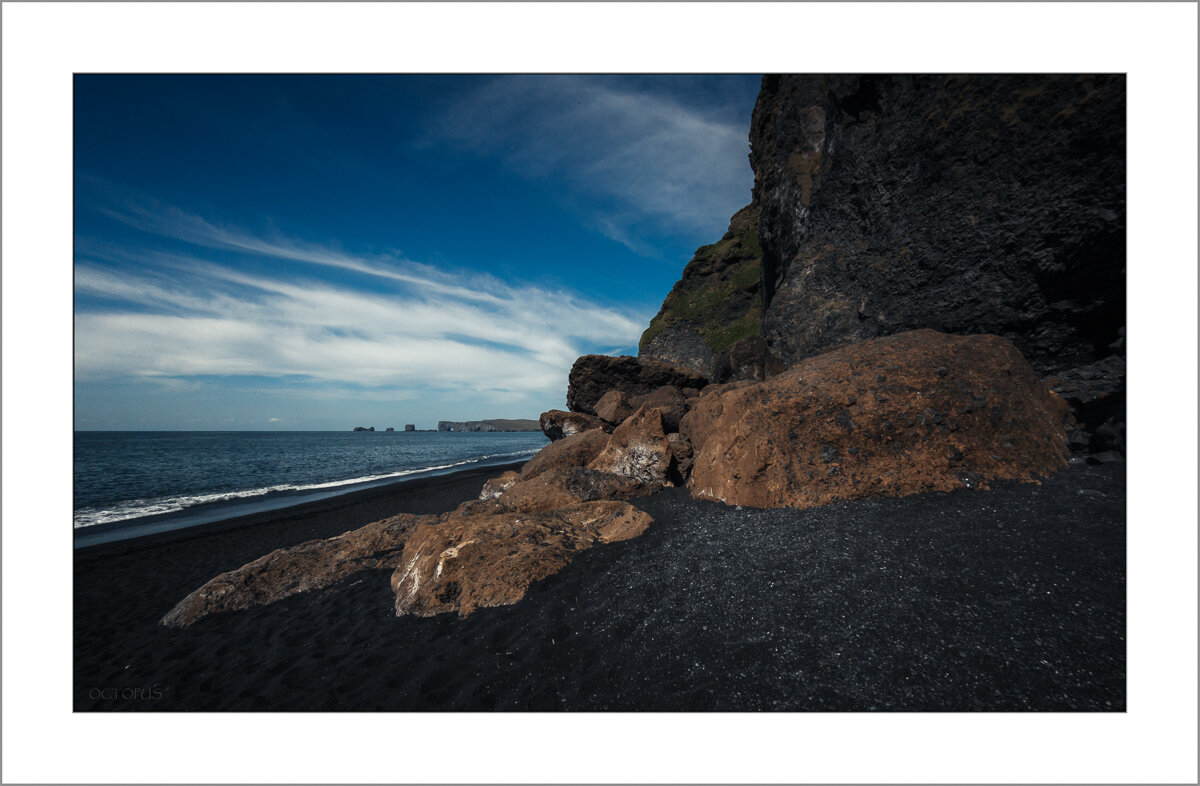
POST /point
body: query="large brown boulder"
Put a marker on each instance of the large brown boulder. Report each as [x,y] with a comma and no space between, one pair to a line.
[594,375]
[557,424]
[638,449]
[314,564]
[469,562]
[918,411]
[562,486]
[577,450]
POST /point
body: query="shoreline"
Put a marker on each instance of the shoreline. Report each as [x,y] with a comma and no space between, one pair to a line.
[1015,595]
[357,507]
[130,486]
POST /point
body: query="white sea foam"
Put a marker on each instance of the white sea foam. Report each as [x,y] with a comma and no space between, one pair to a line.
[139,508]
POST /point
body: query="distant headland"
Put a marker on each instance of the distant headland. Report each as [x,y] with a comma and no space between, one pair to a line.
[497,424]
[494,424]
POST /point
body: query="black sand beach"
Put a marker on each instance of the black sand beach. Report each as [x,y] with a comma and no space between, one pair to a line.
[1012,599]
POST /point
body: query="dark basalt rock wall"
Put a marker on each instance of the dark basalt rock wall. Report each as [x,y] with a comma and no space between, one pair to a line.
[967,204]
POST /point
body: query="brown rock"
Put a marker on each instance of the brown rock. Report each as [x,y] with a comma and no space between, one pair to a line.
[667,400]
[573,451]
[917,411]
[557,424]
[471,562]
[476,507]
[498,485]
[314,564]
[594,375]
[726,386]
[638,449]
[681,449]
[696,426]
[614,407]
[562,486]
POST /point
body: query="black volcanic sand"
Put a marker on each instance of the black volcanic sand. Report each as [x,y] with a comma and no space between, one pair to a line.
[1012,599]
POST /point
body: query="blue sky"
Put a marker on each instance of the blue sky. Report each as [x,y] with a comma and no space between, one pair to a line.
[321,252]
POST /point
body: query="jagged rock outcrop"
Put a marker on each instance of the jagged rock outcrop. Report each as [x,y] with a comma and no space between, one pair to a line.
[557,424]
[968,204]
[496,486]
[315,564]
[714,303]
[614,407]
[670,402]
[637,459]
[747,358]
[681,451]
[1096,393]
[493,424]
[575,450]
[638,449]
[561,486]
[914,412]
[592,376]
[521,529]
[470,562]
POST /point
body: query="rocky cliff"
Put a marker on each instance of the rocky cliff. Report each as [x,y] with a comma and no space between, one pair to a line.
[715,303]
[881,204]
[967,204]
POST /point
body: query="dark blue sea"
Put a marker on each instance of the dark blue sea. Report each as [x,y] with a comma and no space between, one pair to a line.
[191,477]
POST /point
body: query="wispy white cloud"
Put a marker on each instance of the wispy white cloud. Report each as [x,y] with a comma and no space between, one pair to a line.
[645,159]
[418,327]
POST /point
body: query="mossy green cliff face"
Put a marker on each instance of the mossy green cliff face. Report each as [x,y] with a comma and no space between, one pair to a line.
[715,303]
